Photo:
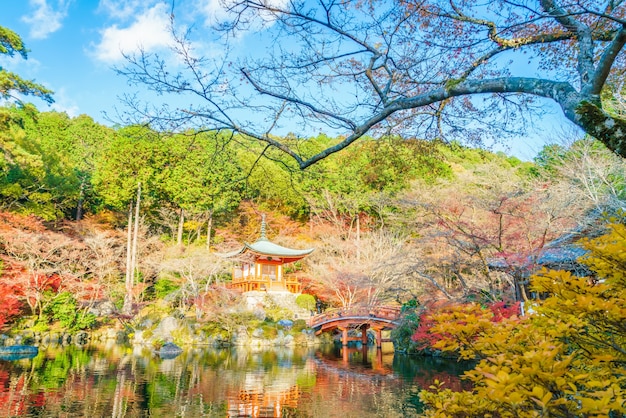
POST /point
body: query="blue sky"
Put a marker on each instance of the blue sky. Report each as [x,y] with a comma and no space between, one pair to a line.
[74,45]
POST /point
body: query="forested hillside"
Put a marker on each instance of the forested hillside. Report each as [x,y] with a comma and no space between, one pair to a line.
[392,219]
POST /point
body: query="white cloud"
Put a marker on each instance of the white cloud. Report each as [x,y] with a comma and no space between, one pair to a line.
[63,103]
[213,11]
[149,31]
[45,18]
[25,68]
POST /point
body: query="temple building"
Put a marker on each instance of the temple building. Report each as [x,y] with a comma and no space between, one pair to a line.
[261,266]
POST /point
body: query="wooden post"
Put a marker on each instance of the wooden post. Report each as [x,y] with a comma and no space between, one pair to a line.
[364,328]
[379,339]
[344,337]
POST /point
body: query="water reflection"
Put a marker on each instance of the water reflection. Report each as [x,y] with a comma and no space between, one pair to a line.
[118,381]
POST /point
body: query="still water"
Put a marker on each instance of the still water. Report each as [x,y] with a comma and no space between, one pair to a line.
[118,381]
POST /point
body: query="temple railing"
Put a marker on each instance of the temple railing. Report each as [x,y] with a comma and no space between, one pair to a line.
[265,283]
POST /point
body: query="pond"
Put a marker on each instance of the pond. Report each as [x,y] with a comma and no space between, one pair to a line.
[119,381]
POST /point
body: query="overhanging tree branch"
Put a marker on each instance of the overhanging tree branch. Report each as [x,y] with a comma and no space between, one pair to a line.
[369,67]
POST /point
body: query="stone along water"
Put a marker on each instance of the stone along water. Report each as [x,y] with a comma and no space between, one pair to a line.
[119,382]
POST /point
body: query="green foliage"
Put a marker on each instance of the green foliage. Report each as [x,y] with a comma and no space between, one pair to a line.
[201,173]
[306,301]
[270,331]
[298,326]
[274,312]
[164,287]
[64,308]
[401,335]
[11,83]
[47,165]
[229,323]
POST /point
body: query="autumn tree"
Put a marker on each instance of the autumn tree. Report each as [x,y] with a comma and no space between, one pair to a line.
[491,215]
[106,248]
[368,272]
[193,271]
[49,264]
[588,170]
[431,69]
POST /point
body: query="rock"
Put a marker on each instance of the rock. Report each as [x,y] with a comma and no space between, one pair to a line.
[169,351]
[165,328]
[81,338]
[147,323]
[103,308]
[138,337]
[51,338]
[285,323]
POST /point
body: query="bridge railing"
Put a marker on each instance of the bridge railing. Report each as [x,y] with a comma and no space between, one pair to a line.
[391,313]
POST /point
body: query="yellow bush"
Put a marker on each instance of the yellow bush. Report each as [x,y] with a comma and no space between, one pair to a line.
[566,360]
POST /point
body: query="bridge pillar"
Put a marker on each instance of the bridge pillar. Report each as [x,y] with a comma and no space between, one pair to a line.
[364,329]
[379,339]
[344,337]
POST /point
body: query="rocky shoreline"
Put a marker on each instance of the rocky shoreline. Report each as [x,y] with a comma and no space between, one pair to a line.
[169,330]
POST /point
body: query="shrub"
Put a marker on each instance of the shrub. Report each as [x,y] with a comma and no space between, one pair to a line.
[274,312]
[64,308]
[402,334]
[298,326]
[566,360]
[11,305]
[164,287]
[306,301]
[269,331]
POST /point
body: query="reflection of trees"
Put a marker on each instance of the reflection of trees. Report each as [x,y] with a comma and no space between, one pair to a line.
[117,382]
[424,370]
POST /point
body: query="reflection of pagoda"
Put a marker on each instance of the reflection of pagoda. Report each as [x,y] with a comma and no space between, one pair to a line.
[261,266]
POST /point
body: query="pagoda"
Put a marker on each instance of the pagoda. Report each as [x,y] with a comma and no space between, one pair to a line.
[261,266]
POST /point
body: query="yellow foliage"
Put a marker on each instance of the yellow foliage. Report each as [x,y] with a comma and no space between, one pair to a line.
[566,360]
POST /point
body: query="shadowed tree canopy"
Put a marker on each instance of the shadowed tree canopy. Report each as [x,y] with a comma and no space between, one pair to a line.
[422,68]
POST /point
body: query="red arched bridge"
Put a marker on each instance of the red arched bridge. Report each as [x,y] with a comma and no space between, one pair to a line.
[377,318]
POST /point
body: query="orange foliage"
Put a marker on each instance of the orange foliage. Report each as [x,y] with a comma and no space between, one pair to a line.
[11,221]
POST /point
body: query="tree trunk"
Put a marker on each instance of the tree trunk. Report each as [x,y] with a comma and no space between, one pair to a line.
[358,237]
[131,253]
[128,282]
[209,226]
[181,223]
[609,130]
[81,200]
[135,234]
